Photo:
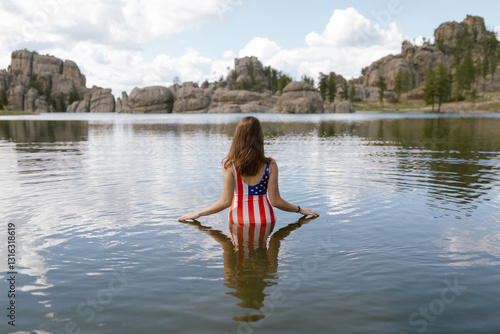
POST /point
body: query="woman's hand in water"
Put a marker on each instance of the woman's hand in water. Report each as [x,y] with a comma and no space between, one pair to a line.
[191,216]
[307,212]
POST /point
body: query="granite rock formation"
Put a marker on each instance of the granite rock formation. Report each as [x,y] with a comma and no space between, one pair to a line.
[57,83]
[299,98]
[241,101]
[152,99]
[418,59]
[189,98]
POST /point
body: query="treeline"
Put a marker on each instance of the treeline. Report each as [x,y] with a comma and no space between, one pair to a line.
[455,83]
[273,80]
[458,81]
[328,87]
[43,86]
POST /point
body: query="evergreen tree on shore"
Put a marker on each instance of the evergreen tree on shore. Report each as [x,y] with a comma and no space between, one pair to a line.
[332,87]
[430,88]
[382,87]
[3,98]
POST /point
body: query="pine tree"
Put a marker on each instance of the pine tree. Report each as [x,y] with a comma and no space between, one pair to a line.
[3,99]
[493,65]
[332,87]
[308,80]
[486,67]
[469,71]
[352,91]
[430,87]
[382,87]
[345,91]
[398,84]
[323,85]
[407,81]
[442,85]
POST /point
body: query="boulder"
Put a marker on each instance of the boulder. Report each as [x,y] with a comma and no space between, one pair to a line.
[343,107]
[41,105]
[299,98]
[152,99]
[191,98]
[366,93]
[101,100]
[29,100]
[231,101]
[16,98]
[80,106]
[121,105]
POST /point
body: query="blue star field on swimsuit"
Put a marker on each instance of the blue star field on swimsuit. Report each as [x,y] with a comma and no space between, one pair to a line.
[261,187]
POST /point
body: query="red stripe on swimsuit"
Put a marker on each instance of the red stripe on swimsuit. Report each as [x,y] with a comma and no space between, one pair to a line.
[250,203]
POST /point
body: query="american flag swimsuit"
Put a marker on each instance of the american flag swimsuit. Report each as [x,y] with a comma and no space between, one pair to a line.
[250,203]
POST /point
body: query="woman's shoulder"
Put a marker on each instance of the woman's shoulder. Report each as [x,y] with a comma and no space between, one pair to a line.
[227,164]
[271,161]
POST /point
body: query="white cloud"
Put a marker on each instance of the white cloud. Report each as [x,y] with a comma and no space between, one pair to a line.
[420,40]
[262,48]
[105,38]
[229,54]
[122,70]
[112,21]
[349,42]
[348,28]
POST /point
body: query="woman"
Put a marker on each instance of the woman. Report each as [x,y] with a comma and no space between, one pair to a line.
[249,181]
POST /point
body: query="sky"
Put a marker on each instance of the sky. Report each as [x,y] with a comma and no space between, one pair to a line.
[122,44]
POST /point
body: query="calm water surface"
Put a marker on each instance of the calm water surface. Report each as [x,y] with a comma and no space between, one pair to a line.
[408,240]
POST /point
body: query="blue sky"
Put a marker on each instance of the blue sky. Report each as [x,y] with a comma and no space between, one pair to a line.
[122,44]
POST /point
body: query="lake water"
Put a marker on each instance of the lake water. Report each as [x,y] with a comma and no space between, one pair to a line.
[408,240]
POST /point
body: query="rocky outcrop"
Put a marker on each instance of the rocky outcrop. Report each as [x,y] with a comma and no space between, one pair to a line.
[343,107]
[21,62]
[121,105]
[236,101]
[101,100]
[418,59]
[62,84]
[247,70]
[366,93]
[80,106]
[449,33]
[46,65]
[97,100]
[71,70]
[415,60]
[16,97]
[153,99]
[189,98]
[29,100]
[53,79]
[299,98]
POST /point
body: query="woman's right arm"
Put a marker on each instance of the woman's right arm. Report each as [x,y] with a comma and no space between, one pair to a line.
[274,193]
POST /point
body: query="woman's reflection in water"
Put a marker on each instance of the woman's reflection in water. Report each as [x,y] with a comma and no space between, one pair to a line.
[250,264]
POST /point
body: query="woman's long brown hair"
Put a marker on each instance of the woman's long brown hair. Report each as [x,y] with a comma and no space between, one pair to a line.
[247,150]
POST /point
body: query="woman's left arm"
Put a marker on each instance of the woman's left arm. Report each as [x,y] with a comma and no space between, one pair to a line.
[223,203]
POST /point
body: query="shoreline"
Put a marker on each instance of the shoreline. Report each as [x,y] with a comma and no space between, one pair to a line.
[489,105]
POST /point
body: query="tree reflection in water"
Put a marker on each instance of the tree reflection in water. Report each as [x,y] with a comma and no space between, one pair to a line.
[250,262]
